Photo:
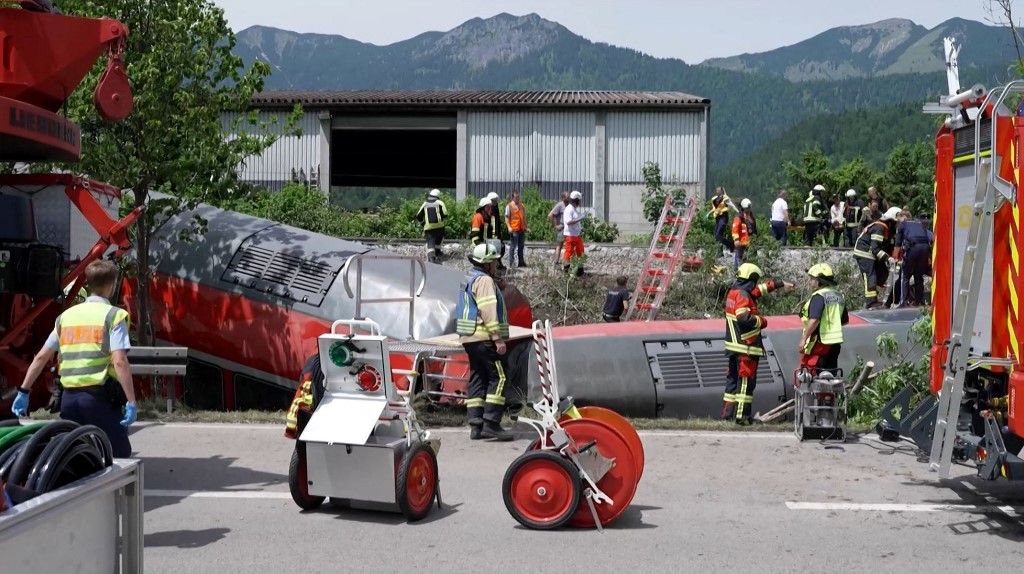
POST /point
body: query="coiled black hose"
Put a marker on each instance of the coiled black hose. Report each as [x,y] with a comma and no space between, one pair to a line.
[53,456]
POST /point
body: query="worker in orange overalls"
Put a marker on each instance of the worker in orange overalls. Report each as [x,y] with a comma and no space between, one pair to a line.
[481,221]
[515,218]
[743,343]
[742,229]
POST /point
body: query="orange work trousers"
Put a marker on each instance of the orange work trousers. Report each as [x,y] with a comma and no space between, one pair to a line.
[573,247]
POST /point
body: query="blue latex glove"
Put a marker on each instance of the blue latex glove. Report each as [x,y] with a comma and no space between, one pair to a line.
[130,411]
[20,404]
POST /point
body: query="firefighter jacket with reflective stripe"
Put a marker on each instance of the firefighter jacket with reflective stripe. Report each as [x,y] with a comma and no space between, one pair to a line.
[480,313]
[853,212]
[432,214]
[720,206]
[813,209]
[494,230]
[740,230]
[830,327]
[478,233]
[516,216]
[303,399]
[743,324]
[84,335]
[871,242]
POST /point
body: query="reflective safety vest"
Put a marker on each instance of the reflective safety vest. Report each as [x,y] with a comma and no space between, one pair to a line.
[812,209]
[743,335]
[467,311]
[720,206]
[84,334]
[516,217]
[434,214]
[830,328]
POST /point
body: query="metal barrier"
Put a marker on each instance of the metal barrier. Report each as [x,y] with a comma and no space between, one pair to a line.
[171,362]
[98,521]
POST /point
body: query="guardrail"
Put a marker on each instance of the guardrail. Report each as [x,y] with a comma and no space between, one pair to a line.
[96,525]
[167,363]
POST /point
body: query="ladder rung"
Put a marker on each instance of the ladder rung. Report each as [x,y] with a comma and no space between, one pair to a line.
[666,237]
[662,255]
[675,220]
[650,289]
[657,272]
[644,306]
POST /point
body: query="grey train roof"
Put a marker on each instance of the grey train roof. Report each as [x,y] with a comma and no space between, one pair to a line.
[302,271]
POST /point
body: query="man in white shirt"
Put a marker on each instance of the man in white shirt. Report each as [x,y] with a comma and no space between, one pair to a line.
[837,218]
[572,229]
[780,217]
[555,216]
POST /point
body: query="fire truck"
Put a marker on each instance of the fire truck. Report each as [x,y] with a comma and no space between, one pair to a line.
[974,411]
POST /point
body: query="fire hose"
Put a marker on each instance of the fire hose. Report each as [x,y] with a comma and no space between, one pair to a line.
[42,457]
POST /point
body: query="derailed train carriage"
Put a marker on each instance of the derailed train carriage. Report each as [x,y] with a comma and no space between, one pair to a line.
[250,297]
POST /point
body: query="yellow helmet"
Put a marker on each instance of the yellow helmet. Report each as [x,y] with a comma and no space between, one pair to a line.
[822,271]
[748,271]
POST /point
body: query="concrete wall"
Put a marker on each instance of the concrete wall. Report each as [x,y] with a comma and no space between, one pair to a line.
[625,208]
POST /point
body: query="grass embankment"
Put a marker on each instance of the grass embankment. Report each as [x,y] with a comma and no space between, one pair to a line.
[429,416]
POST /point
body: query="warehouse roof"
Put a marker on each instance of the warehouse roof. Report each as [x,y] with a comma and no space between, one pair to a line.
[484,99]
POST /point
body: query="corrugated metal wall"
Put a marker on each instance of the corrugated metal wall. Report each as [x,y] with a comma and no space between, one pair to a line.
[672,139]
[274,167]
[514,147]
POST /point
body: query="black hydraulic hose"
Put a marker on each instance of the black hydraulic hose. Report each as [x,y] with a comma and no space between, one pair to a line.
[56,455]
[10,423]
[55,460]
[35,445]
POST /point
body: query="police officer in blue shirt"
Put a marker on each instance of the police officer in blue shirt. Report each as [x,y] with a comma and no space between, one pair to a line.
[914,243]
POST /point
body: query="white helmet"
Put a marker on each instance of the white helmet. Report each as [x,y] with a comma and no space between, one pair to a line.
[851,192]
[484,253]
[435,193]
[575,195]
[492,196]
[745,203]
[892,214]
[484,202]
[819,187]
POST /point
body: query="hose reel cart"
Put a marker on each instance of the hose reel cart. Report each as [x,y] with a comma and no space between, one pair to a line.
[363,443]
[584,468]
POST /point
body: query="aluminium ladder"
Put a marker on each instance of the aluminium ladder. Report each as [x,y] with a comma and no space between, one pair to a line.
[662,259]
[990,191]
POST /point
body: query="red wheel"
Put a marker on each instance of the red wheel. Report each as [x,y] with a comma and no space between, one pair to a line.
[619,483]
[298,481]
[541,490]
[416,483]
[622,426]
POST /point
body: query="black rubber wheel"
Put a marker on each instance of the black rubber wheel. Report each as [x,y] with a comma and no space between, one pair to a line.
[416,482]
[542,490]
[298,482]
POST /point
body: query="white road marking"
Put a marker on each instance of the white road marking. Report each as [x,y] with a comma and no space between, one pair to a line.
[883,507]
[245,494]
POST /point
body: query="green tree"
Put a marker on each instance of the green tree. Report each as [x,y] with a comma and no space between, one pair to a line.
[813,170]
[183,73]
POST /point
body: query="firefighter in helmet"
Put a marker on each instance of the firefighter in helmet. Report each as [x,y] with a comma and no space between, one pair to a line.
[871,252]
[814,212]
[433,214]
[481,320]
[743,343]
[742,229]
[823,315]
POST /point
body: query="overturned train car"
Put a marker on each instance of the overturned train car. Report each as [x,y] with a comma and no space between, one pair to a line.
[249,297]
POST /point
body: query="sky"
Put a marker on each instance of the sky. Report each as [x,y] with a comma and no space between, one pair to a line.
[692,30]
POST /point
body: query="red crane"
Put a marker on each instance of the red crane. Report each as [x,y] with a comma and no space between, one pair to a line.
[44,218]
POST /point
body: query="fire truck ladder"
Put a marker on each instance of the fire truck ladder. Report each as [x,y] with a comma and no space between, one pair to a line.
[662,259]
[991,191]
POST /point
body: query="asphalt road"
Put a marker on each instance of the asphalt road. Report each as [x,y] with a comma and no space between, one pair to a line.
[217,501]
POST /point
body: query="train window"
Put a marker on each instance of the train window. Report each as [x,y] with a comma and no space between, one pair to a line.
[204,386]
[254,394]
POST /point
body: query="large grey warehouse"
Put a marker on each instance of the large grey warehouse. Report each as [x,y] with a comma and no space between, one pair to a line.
[475,142]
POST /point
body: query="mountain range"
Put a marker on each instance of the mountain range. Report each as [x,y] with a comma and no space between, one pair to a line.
[755,98]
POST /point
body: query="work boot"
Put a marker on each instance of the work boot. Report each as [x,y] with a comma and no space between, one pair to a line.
[494,430]
[474,432]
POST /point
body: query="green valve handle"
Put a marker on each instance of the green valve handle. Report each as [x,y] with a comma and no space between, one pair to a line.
[340,354]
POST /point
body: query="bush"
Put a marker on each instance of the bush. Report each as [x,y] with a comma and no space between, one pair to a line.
[309,209]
